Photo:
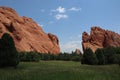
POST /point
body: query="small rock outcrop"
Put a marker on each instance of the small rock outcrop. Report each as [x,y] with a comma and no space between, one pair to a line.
[27,34]
[77,51]
[100,38]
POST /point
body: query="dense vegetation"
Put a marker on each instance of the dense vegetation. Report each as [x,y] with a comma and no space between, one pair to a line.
[60,70]
[109,55]
[29,56]
[100,56]
[35,56]
[8,53]
[89,57]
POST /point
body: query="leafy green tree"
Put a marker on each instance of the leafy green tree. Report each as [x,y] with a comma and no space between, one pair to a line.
[8,53]
[100,56]
[89,57]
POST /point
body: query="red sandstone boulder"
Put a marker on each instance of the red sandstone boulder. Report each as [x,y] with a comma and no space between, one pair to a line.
[27,35]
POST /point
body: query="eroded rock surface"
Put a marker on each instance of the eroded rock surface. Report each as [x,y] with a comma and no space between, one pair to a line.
[100,38]
[27,34]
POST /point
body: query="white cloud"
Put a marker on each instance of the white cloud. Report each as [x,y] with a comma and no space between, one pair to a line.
[70,46]
[61,12]
[74,9]
[75,42]
[61,9]
[61,16]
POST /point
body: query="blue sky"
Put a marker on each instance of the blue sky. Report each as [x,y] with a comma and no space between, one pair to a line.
[69,18]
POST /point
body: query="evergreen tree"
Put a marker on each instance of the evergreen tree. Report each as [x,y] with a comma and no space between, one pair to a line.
[8,53]
[100,56]
[109,54]
[89,57]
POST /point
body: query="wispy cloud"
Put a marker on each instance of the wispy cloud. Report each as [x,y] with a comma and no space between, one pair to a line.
[75,9]
[72,44]
[59,13]
[61,16]
[59,10]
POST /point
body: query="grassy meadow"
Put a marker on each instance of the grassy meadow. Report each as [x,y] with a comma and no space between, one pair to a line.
[60,70]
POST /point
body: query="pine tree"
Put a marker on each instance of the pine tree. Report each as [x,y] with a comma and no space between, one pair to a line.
[8,53]
[89,57]
[100,56]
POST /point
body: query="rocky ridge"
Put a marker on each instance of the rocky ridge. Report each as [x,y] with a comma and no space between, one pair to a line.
[100,38]
[27,34]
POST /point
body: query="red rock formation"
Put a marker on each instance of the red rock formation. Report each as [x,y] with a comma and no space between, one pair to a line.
[77,51]
[100,38]
[27,35]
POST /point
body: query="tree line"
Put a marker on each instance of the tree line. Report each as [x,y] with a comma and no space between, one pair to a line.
[36,56]
[109,55]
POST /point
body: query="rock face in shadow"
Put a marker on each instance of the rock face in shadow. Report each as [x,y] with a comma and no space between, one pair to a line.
[100,38]
[27,34]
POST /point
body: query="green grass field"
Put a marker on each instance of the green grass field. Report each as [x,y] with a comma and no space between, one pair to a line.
[60,70]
